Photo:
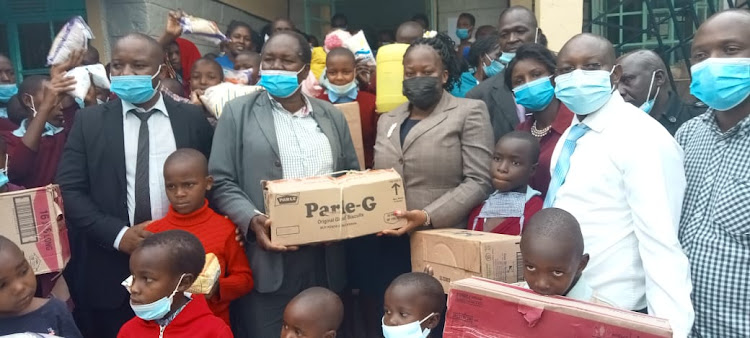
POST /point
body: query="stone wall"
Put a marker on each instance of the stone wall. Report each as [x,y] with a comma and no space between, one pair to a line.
[121,17]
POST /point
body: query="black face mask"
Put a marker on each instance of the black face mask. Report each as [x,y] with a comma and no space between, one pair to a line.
[423,91]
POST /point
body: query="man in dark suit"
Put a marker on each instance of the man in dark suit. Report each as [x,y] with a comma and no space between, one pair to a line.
[112,183]
[517,25]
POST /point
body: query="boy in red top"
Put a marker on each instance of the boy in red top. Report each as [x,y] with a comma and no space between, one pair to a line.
[186,179]
[164,266]
[340,83]
[513,202]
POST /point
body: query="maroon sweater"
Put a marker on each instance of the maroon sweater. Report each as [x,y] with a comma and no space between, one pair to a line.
[30,168]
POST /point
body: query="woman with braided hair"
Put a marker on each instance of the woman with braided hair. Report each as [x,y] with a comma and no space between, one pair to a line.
[440,145]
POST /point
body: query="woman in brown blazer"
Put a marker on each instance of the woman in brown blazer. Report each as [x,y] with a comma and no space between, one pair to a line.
[441,145]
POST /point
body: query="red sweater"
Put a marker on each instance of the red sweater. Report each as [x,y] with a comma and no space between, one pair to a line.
[195,321]
[7,125]
[510,225]
[30,168]
[369,119]
[217,235]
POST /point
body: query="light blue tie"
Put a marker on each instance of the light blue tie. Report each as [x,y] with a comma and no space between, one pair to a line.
[563,162]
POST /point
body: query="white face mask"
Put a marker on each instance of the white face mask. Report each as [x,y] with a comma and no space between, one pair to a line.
[411,330]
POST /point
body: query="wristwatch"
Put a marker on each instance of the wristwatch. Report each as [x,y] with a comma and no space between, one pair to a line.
[428,222]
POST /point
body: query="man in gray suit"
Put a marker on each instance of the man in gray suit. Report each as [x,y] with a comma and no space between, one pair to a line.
[270,135]
[517,25]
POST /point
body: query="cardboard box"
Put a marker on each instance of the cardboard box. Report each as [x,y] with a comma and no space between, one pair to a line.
[354,120]
[34,221]
[325,208]
[483,308]
[456,254]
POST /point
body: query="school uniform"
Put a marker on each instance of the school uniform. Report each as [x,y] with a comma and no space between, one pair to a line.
[515,208]
[31,168]
[51,318]
[367,115]
[540,180]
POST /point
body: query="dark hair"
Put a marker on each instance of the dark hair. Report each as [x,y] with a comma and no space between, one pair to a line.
[471,18]
[322,305]
[422,17]
[158,48]
[557,224]
[341,51]
[304,48]
[338,17]
[6,243]
[531,16]
[486,30]
[445,48]
[525,136]
[277,20]
[427,285]
[16,110]
[185,251]
[189,155]
[212,62]
[237,24]
[480,48]
[533,51]
[313,40]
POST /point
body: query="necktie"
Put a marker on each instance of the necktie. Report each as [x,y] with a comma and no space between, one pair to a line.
[142,192]
[563,162]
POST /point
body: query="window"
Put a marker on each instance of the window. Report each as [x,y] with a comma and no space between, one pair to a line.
[28,28]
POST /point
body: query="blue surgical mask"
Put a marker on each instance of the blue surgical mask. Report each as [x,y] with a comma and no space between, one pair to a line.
[7,91]
[721,83]
[507,57]
[4,173]
[462,33]
[411,330]
[649,104]
[280,83]
[157,309]
[494,68]
[335,93]
[584,91]
[135,89]
[535,95]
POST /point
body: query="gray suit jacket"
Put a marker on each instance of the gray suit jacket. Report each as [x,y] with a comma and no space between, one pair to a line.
[445,158]
[247,152]
[500,103]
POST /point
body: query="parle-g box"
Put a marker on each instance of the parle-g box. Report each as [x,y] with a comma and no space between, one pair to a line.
[325,208]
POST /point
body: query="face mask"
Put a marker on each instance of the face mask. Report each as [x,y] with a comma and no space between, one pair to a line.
[7,91]
[649,104]
[462,33]
[157,309]
[49,129]
[721,83]
[584,91]
[536,35]
[411,330]
[4,173]
[507,57]
[422,91]
[280,83]
[135,89]
[494,68]
[535,95]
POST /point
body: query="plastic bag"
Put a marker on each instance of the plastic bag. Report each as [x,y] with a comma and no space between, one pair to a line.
[238,76]
[335,39]
[202,28]
[359,46]
[84,75]
[74,35]
[214,98]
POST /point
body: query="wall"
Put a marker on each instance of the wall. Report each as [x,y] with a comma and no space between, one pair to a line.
[485,11]
[120,17]
[559,19]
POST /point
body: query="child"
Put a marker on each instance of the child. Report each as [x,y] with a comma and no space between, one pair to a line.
[205,73]
[513,163]
[341,87]
[315,313]
[552,250]
[164,266]
[186,181]
[20,311]
[248,60]
[414,303]
[35,147]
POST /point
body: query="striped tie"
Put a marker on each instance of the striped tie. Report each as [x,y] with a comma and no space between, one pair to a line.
[563,162]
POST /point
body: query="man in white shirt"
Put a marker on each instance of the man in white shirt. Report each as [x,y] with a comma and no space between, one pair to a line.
[620,173]
[111,178]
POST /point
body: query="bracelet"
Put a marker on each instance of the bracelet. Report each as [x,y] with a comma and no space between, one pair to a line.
[428,222]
